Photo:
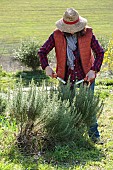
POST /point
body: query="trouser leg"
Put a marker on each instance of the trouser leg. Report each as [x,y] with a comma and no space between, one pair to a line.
[93,130]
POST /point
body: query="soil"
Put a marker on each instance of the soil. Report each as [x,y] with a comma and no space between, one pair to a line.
[9,64]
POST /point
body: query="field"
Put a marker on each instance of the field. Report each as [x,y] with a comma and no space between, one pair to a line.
[22,19]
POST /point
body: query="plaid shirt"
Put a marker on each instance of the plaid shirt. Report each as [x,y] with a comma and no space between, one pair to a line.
[78,72]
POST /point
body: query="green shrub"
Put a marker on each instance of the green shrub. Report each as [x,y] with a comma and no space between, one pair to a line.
[49,117]
[7,80]
[108,57]
[27,53]
[25,106]
[2,104]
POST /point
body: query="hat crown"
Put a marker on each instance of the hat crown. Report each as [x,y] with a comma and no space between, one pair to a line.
[70,15]
[71,21]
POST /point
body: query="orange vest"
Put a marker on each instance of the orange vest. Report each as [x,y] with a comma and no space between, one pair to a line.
[85,51]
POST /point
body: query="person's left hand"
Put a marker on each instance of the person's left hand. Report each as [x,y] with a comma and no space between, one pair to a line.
[90,76]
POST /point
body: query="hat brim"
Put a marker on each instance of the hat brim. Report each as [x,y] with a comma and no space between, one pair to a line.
[80,25]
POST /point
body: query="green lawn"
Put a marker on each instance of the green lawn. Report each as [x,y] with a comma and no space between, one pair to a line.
[25,18]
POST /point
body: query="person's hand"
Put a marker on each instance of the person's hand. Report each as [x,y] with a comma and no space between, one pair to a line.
[90,76]
[50,72]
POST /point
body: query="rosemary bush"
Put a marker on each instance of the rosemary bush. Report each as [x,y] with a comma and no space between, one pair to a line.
[52,116]
[58,120]
[71,112]
[88,105]
[26,104]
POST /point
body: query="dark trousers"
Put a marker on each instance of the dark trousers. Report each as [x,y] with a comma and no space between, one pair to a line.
[93,131]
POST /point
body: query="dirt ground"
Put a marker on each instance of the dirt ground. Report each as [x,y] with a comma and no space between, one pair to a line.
[9,64]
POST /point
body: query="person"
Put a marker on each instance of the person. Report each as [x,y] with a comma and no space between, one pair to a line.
[79,54]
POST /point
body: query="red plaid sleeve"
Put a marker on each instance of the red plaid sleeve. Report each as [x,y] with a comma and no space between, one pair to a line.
[44,50]
[98,52]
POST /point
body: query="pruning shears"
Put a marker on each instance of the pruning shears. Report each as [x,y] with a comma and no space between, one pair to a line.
[64,82]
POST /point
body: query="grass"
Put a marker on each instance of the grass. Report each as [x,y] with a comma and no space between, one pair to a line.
[22,19]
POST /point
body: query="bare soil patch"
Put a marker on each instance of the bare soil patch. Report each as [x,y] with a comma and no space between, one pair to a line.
[10,64]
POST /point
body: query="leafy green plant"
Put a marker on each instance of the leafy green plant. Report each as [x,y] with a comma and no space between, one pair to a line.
[27,53]
[7,80]
[25,106]
[3,104]
[104,42]
[108,57]
[69,113]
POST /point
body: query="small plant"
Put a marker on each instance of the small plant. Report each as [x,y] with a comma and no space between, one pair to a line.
[27,53]
[108,57]
[104,42]
[25,106]
[3,104]
[6,80]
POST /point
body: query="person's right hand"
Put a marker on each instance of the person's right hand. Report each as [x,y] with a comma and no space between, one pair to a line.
[50,72]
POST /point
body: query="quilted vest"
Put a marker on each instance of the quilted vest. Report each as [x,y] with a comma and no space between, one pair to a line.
[85,51]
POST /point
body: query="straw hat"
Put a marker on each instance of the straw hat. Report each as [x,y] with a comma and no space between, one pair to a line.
[71,21]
